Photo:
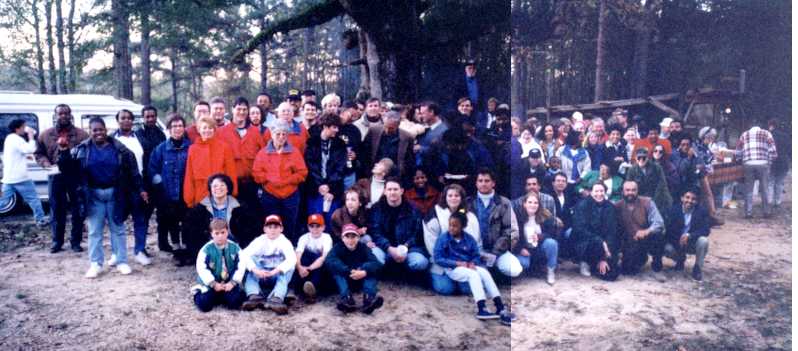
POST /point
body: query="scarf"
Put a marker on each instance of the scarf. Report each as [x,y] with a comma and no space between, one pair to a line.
[575,158]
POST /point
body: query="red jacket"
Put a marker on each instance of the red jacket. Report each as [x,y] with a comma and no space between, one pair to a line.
[244,149]
[206,158]
[280,173]
[423,204]
[298,136]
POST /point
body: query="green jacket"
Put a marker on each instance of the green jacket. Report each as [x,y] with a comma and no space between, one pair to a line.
[652,183]
[593,176]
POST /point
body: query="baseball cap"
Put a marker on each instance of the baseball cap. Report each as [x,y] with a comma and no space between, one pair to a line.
[666,122]
[349,228]
[534,153]
[641,152]
[316,219]
[470,62]
[273,219]
[293,94]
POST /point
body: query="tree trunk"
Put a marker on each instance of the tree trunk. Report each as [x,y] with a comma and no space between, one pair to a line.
[145,55]
[264,56]
[365,83]
[48,13]
[373,60]
[173,78]
[39,53]
[307,49]
[59,35]
[640,79]
[123,72]
[73,74]
[601,52]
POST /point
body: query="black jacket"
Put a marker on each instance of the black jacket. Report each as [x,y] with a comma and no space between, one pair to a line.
[243,223]
[336,166]
[128,182]
[699,224]
[595,222]
[341,260]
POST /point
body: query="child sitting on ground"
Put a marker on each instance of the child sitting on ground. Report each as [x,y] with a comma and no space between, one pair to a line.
[269,260]
[311,250]
[352,263]
[217,271]
[458,254]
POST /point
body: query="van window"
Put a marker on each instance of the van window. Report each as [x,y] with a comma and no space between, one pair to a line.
[110,121]
[6,118]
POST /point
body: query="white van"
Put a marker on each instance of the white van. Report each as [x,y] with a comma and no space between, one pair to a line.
[38,111]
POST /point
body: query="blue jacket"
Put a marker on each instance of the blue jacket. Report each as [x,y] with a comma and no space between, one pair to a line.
[407,229]
[167,168]
[128,181]
[448,251]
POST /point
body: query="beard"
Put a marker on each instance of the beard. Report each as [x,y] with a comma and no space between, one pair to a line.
[630,198]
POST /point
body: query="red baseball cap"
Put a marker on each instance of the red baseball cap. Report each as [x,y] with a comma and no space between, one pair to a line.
[273,219]
[349,228]
[316,219]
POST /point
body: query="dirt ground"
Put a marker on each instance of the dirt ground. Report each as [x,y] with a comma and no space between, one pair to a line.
[744,303]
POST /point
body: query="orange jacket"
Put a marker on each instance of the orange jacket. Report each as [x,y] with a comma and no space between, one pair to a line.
[644,143]
[244,149]
[280,173]
[206,158]
[298,136]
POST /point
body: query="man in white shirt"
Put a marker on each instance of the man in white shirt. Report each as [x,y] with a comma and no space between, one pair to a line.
[15,169]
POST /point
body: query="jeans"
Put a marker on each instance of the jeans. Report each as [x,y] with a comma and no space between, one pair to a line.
[63,196]
[349,180]
[762,174]
[679,254]
[286,208]
[776,188]
[142,212]
[208,300]
[479,280]
[344,283]
[315,276]
[547,250]
[27,190]
[277,285]
[415,261]
[100,209]
[444,285]
[509,265]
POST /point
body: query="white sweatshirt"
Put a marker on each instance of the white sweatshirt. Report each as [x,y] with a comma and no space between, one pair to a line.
[15,164]
[264,253]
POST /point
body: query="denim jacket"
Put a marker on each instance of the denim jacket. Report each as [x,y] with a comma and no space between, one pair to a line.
[448,251]
[167,168]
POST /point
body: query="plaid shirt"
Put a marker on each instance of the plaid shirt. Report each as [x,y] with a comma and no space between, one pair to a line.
[756,144]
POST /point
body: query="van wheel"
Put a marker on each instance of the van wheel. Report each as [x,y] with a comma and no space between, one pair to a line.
[9,208]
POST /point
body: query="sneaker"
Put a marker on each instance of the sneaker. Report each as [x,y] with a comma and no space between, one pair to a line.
[550,276]
[253,302]
[142,259]
[371,303]
[112,261]
[277,305]
[290,297]
[584,269]
[506,318]
[697,275]
[94,270]
[310,292]
[346,304]
[124,269]
[483,314]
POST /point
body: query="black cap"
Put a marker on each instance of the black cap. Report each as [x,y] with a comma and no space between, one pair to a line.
[641,152]
[534,153]
[470,62]
[293,94]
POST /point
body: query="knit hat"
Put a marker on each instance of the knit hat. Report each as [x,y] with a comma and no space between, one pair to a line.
[706,131]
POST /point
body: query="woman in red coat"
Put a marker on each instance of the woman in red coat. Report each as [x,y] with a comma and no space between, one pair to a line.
[206,157]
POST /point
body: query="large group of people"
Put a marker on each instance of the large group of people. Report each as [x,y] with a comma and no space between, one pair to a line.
[317,197]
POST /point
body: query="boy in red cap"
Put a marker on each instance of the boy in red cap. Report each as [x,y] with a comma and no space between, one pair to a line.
[311,250]
[352,263]
[270,261]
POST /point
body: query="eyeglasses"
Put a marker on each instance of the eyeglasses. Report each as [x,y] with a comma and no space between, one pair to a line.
[641,158]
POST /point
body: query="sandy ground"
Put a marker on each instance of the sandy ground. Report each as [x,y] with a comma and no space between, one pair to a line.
[744,303]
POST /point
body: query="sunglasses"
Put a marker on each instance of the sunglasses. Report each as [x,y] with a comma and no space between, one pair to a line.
[641,158]
[658,151]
